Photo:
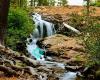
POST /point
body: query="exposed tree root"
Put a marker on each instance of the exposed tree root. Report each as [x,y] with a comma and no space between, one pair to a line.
[28,61]
[8,65]
[8,71]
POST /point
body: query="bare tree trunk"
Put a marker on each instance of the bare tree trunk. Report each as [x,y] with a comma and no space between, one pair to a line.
[88,11]
[34,2]
[4,7]
[31,3]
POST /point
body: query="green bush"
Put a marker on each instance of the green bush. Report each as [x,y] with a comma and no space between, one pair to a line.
[96,4]
[92,40]
[76,20]
[90,33]
[19,27]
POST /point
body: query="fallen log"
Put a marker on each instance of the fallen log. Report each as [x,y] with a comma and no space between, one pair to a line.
[71,28]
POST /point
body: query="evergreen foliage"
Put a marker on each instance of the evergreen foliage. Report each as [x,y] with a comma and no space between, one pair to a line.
[97,3]
[19,27]
[19,3]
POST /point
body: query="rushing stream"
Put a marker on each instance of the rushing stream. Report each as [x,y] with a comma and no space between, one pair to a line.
[44,29]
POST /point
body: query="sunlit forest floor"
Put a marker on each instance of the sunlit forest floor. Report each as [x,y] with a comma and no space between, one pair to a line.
[66,10]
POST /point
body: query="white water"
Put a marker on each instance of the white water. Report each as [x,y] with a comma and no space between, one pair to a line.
[69,76]
[49,64]
[44,29]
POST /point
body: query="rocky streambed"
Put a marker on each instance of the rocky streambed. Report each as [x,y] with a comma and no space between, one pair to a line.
[65,60]
[63,54]
[71,52]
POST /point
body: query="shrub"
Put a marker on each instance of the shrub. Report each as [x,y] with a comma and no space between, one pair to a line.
[92,39]
[93,43]
[90,33]
[19,27]
[96,4]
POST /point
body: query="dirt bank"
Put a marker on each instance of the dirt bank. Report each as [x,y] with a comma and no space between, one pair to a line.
[65,10]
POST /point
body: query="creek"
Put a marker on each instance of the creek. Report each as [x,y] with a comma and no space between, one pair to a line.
[45,29]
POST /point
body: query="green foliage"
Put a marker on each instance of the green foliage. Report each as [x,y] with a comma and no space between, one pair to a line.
[64,2]
[51,2]
[76,20]
[95,4]
[43,2]
[90,33]
[19,3]
[19,26]
[92,36]
[92,41]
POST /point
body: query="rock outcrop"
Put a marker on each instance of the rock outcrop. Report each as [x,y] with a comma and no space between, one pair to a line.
[23,68]
[70,49]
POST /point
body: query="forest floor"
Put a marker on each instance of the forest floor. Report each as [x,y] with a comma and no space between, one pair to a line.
[66,10]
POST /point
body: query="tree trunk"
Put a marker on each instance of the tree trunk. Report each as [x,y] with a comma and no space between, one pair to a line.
[4,7]
[88,11]
[31,3]
[34,2]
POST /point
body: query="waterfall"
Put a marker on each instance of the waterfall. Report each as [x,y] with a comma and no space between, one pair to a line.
[42,29]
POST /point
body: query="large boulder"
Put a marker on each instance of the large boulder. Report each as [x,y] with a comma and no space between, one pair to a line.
[67,48]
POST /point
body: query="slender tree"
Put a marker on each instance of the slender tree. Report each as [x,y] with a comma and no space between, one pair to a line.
[88,11]
[40,2]
[19,3]
[88,6]
[31,2]
[4,8]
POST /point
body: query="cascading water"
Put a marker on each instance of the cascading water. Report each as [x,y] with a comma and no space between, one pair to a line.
[44,29]
[69,76]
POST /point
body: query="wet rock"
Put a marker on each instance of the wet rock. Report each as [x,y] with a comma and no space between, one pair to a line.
[73,68]
[92,72]
[43,76]
[44,69]
[52,77]
[49,64]
[69,76]
[75,63]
